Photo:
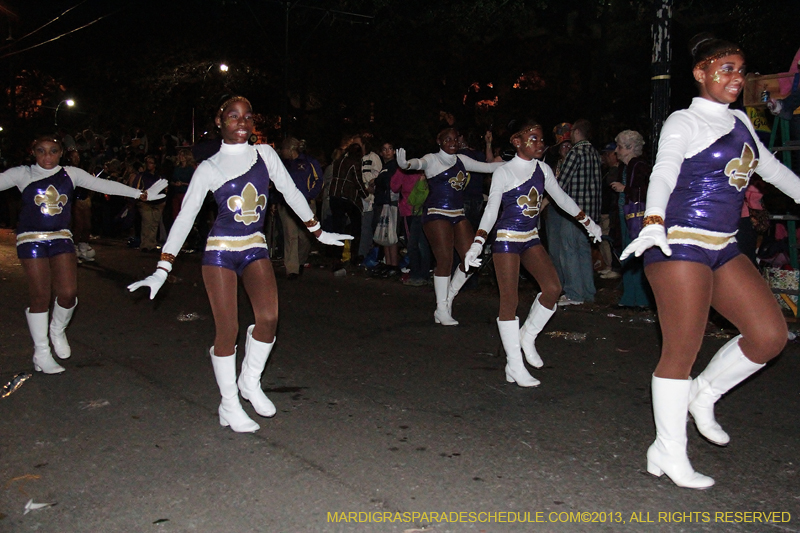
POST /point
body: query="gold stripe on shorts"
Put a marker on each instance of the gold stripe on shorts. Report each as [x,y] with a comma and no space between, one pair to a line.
[234,244]
[517,236]
[446,212]
[38,236]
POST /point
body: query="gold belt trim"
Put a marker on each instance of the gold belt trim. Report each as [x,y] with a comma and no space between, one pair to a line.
[445,212]
[34,236]
[515,236]
[714,240]
[632,215]
[233,243]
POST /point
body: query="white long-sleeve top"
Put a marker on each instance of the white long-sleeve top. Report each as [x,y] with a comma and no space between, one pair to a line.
[513,174]
[688,132]
[23,176]
[435,164]
[230,162]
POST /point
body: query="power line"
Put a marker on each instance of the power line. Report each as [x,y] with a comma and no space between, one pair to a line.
[62,35]
[45,25]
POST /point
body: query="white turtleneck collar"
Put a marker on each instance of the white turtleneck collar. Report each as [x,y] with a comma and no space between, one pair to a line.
[233,149]
[449,158]
[40,172]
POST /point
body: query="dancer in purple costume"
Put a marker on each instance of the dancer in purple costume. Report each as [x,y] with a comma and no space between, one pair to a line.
[44,242]
[443,215]
[706,156]
[238,176]
[518,187]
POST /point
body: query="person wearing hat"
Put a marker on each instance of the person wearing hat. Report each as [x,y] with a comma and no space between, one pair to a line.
[518,186]
[581,178]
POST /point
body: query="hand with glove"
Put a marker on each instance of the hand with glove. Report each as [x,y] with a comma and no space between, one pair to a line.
[400,155]
[154,192]
[333,239]
[472,257]
[593,229]
[155,280]
[651,235]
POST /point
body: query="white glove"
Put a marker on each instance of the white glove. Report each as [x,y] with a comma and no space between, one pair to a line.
[154,192]
[154,281]
[400,155]
[594,230]
[333,239]
[651,235]
[472,258]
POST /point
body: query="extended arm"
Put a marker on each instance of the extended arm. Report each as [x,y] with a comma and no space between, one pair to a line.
[81,178]
[476,166]
[413,164]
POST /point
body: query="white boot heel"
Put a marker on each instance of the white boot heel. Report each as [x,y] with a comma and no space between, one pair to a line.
[256,354]
[230,410]
[442,313]
[515,368]
[667,455]
[653,469]
[42,357]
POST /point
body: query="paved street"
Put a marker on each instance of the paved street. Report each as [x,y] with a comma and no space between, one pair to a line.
[380,412]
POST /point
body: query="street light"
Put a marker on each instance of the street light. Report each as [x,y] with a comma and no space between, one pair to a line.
[69,103]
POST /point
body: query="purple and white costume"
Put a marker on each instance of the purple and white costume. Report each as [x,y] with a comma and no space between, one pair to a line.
[46,217]
[238,176]
[518,187]
[707,154]
[448,176]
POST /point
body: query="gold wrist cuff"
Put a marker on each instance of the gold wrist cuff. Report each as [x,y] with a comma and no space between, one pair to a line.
[169,258]
[652,219]
[311,223]
[482,234]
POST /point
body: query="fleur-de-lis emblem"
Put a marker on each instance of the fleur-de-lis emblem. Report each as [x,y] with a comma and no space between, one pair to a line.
[459,181]
[51,202]
[247,204]
[741,168]
[529,203]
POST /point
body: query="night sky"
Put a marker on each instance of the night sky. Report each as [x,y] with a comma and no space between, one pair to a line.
[386,66]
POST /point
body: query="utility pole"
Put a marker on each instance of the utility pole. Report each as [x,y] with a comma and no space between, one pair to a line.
[662,56]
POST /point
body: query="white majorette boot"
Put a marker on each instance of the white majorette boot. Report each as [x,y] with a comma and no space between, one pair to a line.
[256,354]
[538,316]
[442,313]
[515,368]
[230,410]
[58,324]
[667,455]
[728,367]
[456,282]
[42,358]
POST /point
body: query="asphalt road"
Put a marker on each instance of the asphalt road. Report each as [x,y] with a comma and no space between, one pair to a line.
[380,412]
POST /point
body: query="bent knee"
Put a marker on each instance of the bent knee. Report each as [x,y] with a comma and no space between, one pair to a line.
[770,342]
[551,291]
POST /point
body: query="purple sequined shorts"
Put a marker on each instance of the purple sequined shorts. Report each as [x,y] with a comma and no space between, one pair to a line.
[236,261]
[714,259]
[454,217]
[45,249]
[514,247]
